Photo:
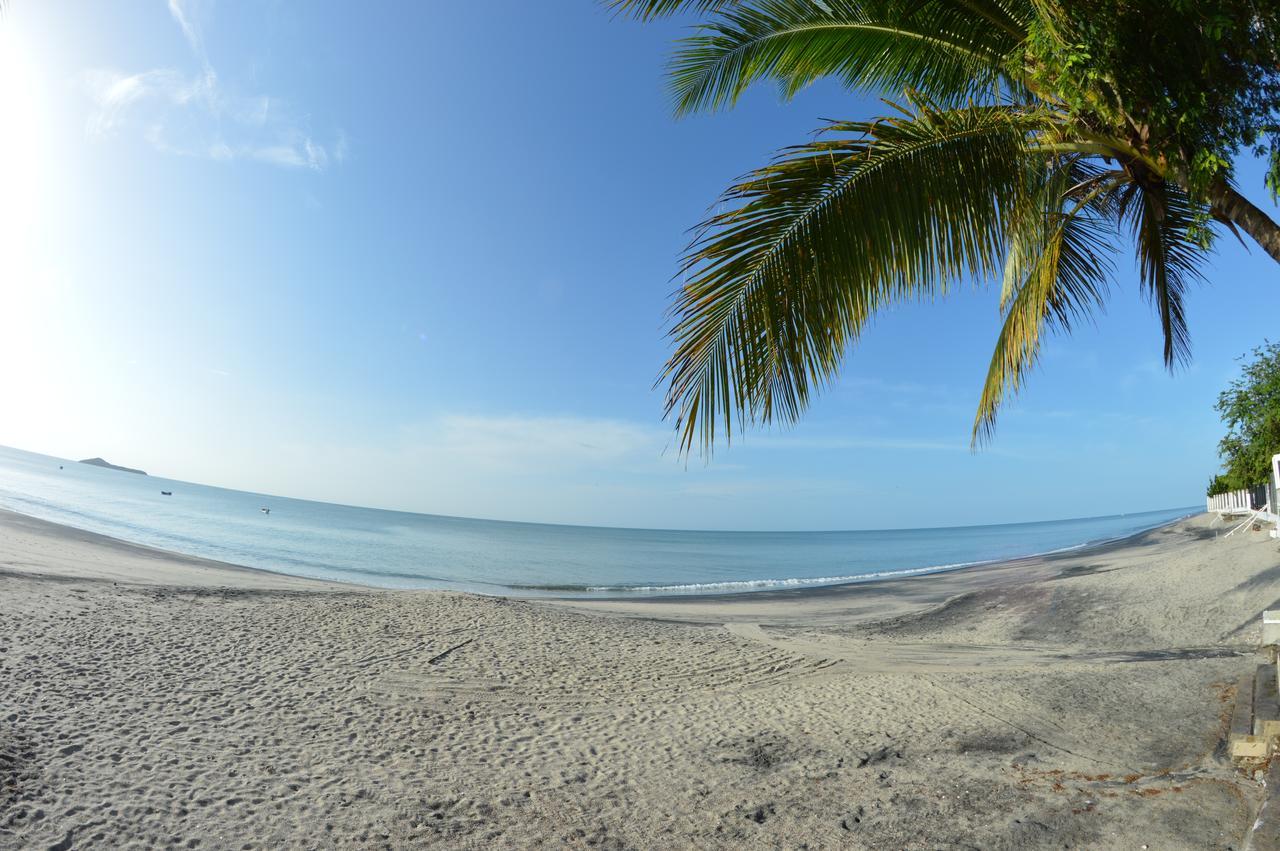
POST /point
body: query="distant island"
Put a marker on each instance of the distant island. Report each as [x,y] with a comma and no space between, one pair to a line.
[102,462]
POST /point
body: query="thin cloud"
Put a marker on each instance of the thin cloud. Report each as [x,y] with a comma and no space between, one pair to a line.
[193,114]
[565,468]
[537,443]
[193,35]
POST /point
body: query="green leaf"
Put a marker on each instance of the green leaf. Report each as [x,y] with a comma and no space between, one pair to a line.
[647,10]
[1164,221]
[780,284]
[1056,272]
[938,48]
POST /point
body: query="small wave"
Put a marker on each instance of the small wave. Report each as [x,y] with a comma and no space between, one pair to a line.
[756,584]
[331,545]
[799,582]
[517,586]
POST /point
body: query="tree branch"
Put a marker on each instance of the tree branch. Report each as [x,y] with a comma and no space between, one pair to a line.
[1244,214]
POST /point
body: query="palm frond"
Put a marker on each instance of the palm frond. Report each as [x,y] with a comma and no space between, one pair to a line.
[939,47]
[780,284]
[647,10]
[1162,218]
[1056,272]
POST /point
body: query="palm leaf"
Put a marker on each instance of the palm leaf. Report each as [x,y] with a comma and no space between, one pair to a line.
[1162,219]
[940,48]
[780,284]
[647,10]
[1056,272]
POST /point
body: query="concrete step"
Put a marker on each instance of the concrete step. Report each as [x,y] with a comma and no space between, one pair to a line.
[1255,721]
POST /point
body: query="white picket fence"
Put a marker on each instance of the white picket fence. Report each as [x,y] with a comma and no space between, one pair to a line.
[1232,501]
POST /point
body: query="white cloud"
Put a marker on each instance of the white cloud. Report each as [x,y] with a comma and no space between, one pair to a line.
[574,469]
[179,13]
[521,444]
[508,466]
[193,114]
[592,470]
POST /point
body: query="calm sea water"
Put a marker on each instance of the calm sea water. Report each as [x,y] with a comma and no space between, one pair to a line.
[396,549]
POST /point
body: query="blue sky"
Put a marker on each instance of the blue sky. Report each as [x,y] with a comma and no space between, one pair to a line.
[417,256]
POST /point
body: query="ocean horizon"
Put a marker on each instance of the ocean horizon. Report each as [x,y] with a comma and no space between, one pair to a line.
[399,549]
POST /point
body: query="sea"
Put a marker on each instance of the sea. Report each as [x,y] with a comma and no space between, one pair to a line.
[400,549]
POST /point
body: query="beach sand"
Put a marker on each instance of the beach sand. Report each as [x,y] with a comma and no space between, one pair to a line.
[1075,701]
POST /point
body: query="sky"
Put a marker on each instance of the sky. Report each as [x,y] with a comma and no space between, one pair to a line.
[418,256]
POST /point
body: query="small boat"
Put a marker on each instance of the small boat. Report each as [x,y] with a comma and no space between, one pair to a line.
[166,493]
[265,510]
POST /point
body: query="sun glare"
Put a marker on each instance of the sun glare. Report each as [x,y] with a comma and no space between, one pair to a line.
[23,141]
[28,290]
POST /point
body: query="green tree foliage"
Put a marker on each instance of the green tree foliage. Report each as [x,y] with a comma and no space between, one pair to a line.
[1250,408]
[1193,81]
[1030,142]
[1220,484]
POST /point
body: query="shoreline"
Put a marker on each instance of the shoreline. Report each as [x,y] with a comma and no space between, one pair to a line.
[860,602]
[802,590]
[1080,698]
[835,588]
[152,564]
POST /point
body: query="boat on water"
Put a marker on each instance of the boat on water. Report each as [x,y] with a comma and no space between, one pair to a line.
[166,493]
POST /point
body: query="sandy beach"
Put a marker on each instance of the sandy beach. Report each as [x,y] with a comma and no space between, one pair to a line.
[1073,701]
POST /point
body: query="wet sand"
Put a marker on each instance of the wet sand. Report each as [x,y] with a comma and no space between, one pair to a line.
[1080,700]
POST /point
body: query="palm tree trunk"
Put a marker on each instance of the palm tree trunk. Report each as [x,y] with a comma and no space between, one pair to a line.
[1244,214]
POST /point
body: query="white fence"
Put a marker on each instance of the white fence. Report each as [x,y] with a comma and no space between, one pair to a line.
[1264,499]
[1241,500]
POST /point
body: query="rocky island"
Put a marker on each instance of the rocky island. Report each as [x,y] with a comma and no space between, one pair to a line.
[102,462]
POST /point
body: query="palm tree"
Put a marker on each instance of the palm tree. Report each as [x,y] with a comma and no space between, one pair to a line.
[982,173]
